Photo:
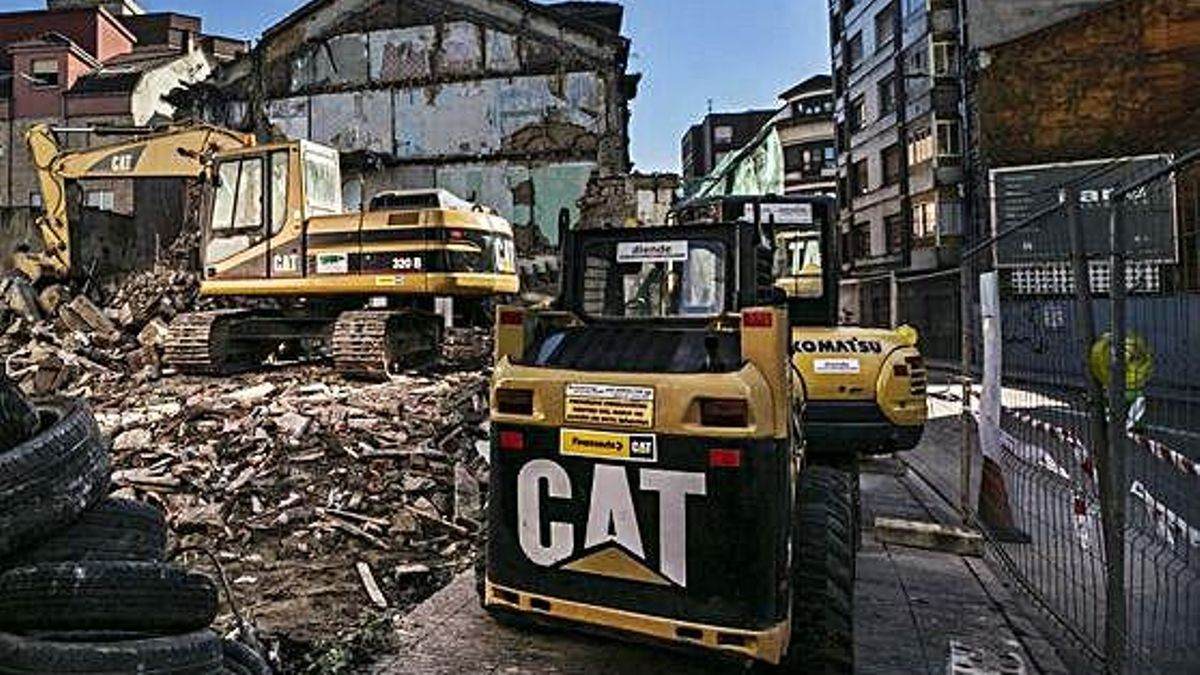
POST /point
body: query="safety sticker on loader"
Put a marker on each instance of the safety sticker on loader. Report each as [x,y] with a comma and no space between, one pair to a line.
[605,445]
[609,405]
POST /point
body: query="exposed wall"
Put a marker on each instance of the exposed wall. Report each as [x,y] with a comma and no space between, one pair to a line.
[491,99]
[996,21]
[1120,81]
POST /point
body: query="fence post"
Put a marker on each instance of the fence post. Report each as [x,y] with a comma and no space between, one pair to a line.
[966,422]
[1085,322]
[1112,470]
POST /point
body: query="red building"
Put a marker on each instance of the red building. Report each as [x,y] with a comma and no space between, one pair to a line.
[79,65]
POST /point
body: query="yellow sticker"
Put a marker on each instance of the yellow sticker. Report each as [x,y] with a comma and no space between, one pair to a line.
[604,445]
[610,405]
[389,281]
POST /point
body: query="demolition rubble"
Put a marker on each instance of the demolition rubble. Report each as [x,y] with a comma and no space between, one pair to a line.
[327,505]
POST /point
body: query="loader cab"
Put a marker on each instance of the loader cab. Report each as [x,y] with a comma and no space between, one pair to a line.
[804,264]
[259,192]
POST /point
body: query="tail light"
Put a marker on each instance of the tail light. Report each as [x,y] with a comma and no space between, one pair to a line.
[724,412]
[724,458]
[514,401]
[758,319]
[512,440]
[511,317]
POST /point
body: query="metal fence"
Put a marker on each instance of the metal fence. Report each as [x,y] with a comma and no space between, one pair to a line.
[1085,401]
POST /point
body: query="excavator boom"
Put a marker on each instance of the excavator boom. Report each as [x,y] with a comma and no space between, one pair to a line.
[182,152]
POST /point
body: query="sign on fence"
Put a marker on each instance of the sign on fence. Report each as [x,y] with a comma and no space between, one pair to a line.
[1021,191]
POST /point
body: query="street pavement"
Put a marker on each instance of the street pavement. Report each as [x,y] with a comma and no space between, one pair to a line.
[916,611]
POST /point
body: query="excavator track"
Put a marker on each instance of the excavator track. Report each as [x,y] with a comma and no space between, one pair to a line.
[374,344]
[203,343]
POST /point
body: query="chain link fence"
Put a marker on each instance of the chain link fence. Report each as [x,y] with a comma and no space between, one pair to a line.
[1082,464]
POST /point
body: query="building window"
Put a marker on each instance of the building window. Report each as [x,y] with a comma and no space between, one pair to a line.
[830,158]
[847,5]
[723,134]
[885,27]
[945,59]
[854,50]
[860,241]
[808,159]
[719,157]
[860,181]
[890,158]
[948,142]
[912,7]
[917,61]
[858,114]
[44,73]
[99,199]
[893,227]
[924,220]
[813,107]
[887,95]
[920,146]
[35,200]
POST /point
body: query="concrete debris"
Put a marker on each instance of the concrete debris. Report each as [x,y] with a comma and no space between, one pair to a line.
[293,476]
[59,343]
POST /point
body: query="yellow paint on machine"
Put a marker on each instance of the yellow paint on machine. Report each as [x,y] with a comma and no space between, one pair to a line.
[607,445]
[765,645]
[617,564]
[431,283]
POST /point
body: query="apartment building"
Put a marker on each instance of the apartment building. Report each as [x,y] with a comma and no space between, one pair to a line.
[708,142]
[899,144]
[806,134]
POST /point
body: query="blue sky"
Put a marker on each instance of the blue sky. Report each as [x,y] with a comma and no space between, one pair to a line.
[739,53]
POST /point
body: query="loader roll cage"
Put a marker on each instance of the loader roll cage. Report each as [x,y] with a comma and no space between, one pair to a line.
[655,273]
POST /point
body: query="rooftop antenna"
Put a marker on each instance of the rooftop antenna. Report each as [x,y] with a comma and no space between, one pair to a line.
[710,106]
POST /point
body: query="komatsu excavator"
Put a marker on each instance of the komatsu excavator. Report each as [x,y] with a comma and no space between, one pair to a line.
[865,387]
[274,234]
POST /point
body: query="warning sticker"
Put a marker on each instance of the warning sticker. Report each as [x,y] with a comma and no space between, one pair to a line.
[836,366]
[604,445]
[610,405]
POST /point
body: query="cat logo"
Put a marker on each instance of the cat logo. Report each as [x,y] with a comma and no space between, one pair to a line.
[122,163]
[612,542]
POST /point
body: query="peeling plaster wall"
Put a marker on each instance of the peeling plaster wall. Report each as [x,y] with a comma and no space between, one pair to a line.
[485,98]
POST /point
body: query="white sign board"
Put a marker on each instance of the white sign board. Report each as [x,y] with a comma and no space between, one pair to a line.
[652,251]
[782,214]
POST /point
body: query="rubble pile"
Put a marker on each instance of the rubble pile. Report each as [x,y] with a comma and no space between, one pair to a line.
[58,342]
[328,502]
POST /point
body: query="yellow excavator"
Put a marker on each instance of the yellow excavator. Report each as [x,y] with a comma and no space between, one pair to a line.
[274,230]
[865,388]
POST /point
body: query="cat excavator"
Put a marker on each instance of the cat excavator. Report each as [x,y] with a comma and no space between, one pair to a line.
[274,235]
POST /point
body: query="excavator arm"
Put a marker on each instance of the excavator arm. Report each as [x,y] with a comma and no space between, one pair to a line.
[183,152]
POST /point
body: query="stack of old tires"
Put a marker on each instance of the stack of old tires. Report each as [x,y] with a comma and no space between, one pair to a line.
[83,585]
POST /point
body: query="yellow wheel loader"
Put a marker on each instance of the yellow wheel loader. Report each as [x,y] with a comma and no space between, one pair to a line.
[865,387]
[274,235]
[649,474]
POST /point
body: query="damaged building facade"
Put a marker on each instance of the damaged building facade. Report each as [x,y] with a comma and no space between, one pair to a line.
[512,104]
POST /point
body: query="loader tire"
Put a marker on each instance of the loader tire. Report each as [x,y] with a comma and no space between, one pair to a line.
[242,660]
[109,596]
[115,529]
[822,584]
[50,479]
[196,653]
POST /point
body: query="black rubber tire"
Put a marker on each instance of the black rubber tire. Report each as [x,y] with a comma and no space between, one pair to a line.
[47,481]
[115,529]
[196,653]
[822,581]
[18,419]
[242,660]
[109,596]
